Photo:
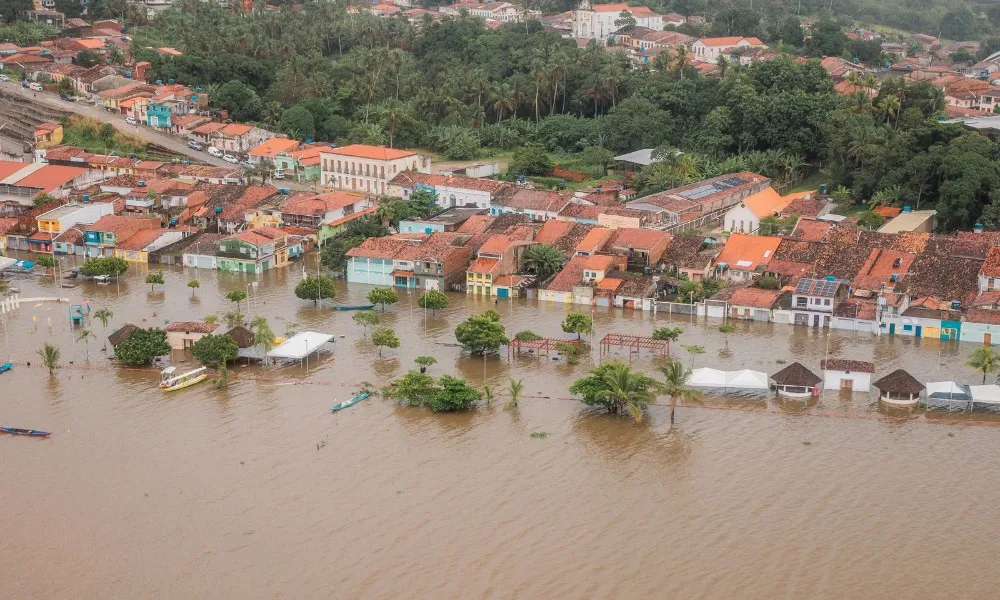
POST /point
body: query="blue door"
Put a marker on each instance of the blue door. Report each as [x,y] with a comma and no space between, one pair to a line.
[503,292]
[892,329]
[918,330]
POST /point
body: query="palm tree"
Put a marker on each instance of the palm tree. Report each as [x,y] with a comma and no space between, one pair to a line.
[272,113]
[222,381]
[515,388]
[103,315]
[504,99]
[488,393]
[50,356]
[85,336]
[984,360]
[393,114]
[625,390]
[543,260]
[232,318]
[262,332]
[675,376]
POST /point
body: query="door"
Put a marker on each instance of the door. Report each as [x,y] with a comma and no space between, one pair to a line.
[503,292]
[987,339]
[815,320]
[847,384]
[918,330]
[892,328]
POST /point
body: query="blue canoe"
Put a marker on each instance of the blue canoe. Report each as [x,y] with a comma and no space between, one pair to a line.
[31,432]
[351,402]
[7,366]
[353,307]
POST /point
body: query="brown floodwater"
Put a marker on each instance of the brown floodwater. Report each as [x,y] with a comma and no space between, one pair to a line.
[233,494]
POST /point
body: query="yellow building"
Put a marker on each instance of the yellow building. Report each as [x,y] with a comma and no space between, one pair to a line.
[47,135]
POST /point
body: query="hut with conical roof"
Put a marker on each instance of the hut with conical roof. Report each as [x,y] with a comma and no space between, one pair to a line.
[796,381]
[899,388]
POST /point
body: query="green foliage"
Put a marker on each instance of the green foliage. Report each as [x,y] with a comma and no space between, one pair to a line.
[45,260]
[233,318]
[454,394]
[529,159]
[527,336]
[383,296]
[236,296]
[433,300]
[616,388]
[103,315]
[870,220]
[211,319]
[366,318]
[193,284]
[768,283]
[215,350]
[515,387]
[425,361]
[93,136]
[239,99]
[693,350]
[674,385]
[414,388]
[298,123]
[50,355]
[41,199]
[383,337]
[481,334]
[689,291]
[543,260]
[667,333]
[315,288]
[88,58]
[984,360]
[142,346]
[154,278]
[263,335]
[598,157]
[570,351]
[22,33]
[578,323]
[111,266]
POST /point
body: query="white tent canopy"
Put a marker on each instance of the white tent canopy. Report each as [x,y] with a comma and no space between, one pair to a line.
[300,345]
[948,390]
[985,394]
[714,378]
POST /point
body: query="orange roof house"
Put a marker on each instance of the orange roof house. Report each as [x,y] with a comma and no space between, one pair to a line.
[594,241]
[272,147]
[371,152]
[745,256]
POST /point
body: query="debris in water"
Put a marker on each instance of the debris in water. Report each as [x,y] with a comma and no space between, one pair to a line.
[539,435]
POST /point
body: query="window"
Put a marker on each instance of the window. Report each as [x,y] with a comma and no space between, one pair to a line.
[826,302]
[907,327]
[800,302]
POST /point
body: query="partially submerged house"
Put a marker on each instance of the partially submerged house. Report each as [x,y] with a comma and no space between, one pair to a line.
[847,375]
[899,388]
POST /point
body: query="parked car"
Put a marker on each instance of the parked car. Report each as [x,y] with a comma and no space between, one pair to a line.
[215,152]
[229,158]
[68,97]
[194,145]
[131,121]
[278,174]
[35,86]
[4,78]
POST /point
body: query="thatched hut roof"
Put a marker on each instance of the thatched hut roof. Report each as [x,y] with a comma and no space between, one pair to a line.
[121,334]
[899,382]
[796,374]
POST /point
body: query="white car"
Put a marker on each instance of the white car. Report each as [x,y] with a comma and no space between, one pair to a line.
[212,150]
[4,78]
[131,121]
[194,145]
[229,158]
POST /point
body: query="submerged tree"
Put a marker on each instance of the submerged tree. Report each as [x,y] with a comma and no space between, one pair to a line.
[366,318]
[153,279]
[193,284]
[433,300]
[383,337]
[481,334]
[514,388]
[103,315]
[984,360]
[578,323]
[50,355]
[674,385]
[383,297]
[85,335]
[142,346]
[315,288]
[618,389]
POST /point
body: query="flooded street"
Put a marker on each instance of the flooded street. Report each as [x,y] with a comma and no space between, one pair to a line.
[231,494]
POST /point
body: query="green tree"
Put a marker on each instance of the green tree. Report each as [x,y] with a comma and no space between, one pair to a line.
[726,331]
[383,297]
[142,346]
[154,278]
[984,360]
[570,351]
[870,220]
[667,333]
[215,350]
[42,199]
[674,385]
[103,315]
[263,335]
[85,335]
[383,337]
[211,319]
[543,260]
[425,361]
[598,157]
[236,296]
[298,123]
[514,387]
[529,159]
[625,20]
[578,323]
[46,261]
[827,39]
[768,283]
[221,382]
[453,394]
[481,334]
[616,388]
[527,336]
[433,300]
[50,356]
[367,318]
[333,256]
[233,318]
[112,266]
[240,100]
[193,284]
[693,350]
[315,288]
[415,388]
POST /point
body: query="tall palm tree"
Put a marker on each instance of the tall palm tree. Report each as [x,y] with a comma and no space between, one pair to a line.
[515,388]
[625,390]
[85,336]
[674,384]
[503,99]
[272,113]
[50,356]
[262,333]
[103,315]
[984,360]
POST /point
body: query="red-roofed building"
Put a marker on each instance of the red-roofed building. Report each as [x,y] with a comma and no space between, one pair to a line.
[597,22]
[271,148]
[253,251]
[594,241]
[136,247]
[745,257]
[641,247]
[311,210]
[500,255]
[710,49]
[567,286]
[103,236]
[755,304]
[369,169]
[235,138]
[538,205]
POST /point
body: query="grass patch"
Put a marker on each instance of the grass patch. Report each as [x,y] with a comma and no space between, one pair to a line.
[811,182]
[101,138]
[539,435]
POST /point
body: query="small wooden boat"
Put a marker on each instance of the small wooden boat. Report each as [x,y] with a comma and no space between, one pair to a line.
[30,432]
[170,382]
[7,366]
[349,403]
[353,306]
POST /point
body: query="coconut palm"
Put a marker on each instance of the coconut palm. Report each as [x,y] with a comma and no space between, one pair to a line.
[262,333]
[543,260]
[85,335]
[50,356]
[984,360]
[674,384]
[515,388]
[103,315]
[488,392]
[625,390]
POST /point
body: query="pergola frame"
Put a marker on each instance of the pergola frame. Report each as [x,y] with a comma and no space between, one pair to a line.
[634,343]
[542,344]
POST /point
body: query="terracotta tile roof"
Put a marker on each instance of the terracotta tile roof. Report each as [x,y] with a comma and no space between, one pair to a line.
[377,248]
[372,152]
[880,267]
[207,128]
[991,266]
[899,382]
[570,277]
[721,41]
[594,240]
[888,212]
[140,239]
[235,129]
[843,364]
[747,252]
[764,203]
[413,178]
[191,327]
[755,297]
[361,213]
[51,177]
[497,244]
[320,204]
[684,251]
[990,299]
[552,230]
[252,197]
[790,268]
[599,262]
[509,280]
[610,284]
[946,277]
[475,224]
[123,226]
[121,334]
[639,239]
[635,287]
[273,147]
[72,236]
[484,265]
[810,230]
[979,315]
[535,200]
[806,206]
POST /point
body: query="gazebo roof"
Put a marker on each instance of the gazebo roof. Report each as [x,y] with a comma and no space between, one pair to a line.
[796,374]
[242,336]
[121,334]
[899,382]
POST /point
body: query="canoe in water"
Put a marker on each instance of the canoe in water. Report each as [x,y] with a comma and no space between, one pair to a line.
[353,307]
[31,432]
[7,366]
[351,402]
